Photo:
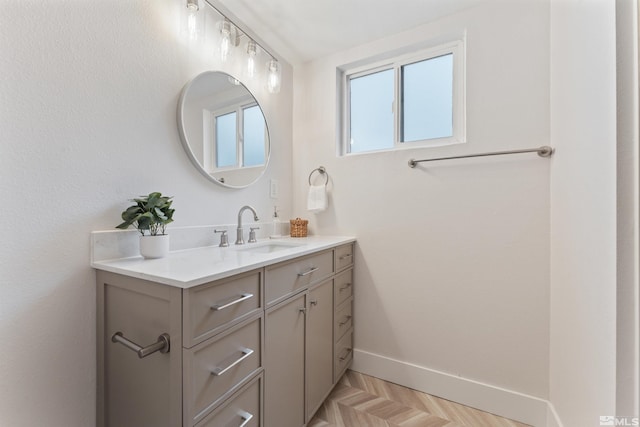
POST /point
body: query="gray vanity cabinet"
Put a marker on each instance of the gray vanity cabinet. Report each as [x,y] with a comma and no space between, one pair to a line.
[233,412]
[299,356]
[319,346]
[284,363]
[301,363]
[262,348]
[135,392]
[216,335]
[343,322]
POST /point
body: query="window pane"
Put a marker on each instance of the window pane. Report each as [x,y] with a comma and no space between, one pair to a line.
[254,136]
[427,99]
[226,140]
[371,115]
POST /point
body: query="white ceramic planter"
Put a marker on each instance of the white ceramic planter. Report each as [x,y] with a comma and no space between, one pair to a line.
[154,246]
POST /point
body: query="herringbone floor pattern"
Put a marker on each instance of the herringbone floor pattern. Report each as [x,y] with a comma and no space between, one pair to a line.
[359,400]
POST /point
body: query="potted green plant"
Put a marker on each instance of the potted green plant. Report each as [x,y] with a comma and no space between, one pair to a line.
[150,215]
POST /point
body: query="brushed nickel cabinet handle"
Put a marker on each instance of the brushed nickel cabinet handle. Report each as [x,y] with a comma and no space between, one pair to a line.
[313,302]
[342,358]
[345,321]
[342,288]
[246,352]
[308,272]
[246,417]
[162,345]
[241,298]
[345,257]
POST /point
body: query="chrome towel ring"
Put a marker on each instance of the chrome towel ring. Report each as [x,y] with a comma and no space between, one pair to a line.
[322,171]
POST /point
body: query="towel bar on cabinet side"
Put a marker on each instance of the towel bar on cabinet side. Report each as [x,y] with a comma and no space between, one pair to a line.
[162,344]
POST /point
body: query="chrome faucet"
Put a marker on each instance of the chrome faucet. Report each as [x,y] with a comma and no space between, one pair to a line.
[239,233]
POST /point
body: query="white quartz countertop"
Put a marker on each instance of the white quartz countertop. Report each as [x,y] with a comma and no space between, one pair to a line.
[191,267]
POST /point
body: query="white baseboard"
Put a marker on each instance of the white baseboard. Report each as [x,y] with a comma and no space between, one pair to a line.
[553,420]
[506,403]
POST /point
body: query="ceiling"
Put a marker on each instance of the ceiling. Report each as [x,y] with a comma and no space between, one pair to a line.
[303,30]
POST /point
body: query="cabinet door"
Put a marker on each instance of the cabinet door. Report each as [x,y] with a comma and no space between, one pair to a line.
[284,364]
[319,345]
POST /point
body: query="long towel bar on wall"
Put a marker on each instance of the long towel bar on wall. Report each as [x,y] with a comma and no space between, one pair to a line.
[544,151]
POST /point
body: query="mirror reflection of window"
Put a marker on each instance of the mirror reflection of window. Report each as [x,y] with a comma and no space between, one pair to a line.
[254,137]
[226,136]
[223,129]
[240,138]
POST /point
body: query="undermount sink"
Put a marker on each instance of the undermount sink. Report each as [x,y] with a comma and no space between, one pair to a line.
[266,247]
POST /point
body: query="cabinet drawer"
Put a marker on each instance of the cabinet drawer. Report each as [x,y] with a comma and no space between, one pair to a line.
[342,320]
[344,256]
[343,287]
[242,409]
[214,369]
[210,308]
[284,279]
[343,355]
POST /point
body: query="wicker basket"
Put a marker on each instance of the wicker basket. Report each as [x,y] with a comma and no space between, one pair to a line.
[299,227]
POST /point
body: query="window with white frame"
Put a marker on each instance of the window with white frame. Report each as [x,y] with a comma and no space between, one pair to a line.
[413,100]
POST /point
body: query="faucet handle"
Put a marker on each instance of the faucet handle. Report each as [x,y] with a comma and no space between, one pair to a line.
[224,239]
[252,234]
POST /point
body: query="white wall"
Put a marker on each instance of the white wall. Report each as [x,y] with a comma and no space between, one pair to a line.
[88,99]
[452,267]
[583,211]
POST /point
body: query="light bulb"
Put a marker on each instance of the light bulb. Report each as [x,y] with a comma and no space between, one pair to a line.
[225,42]
[193,5]
[251,60]
[192,19]
[273,76]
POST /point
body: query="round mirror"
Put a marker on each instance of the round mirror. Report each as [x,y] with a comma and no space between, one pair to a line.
[223,129]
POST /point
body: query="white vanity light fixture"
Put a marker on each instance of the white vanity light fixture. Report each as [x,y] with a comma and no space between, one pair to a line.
[274,76]
[192,25]
[252,50]
[225,39]
[192,19]
[230,38]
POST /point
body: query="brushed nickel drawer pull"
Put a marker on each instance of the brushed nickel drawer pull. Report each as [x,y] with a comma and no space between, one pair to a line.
[246,352]
[162,345]
[342,288]
[343,358]
[345,257]
[242,297]
[313,302]
[345,321]
[246,417]
[306,273]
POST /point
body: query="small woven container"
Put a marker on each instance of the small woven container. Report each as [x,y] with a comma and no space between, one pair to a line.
[299,227]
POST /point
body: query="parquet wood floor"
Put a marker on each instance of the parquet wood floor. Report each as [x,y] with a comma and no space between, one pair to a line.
[359,400]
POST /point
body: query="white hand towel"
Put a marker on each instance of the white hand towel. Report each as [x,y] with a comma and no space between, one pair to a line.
[317,200]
